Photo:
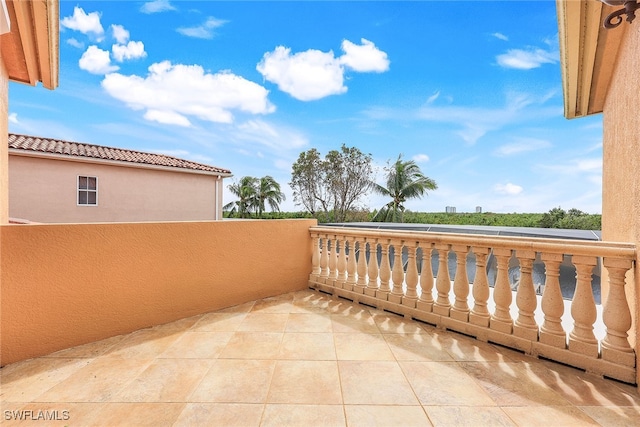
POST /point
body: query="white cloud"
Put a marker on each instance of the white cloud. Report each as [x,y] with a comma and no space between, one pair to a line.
[13,118]
[204,31]
[96,61]
[527,59]
[523,145]
[120,34]
[156,6]
[269,135]
[75,43]
[131,50]
[171,93]
[420,158]
[364,58]
[432,98]
[306,76]
[508,189]
[83,22]
[500,36]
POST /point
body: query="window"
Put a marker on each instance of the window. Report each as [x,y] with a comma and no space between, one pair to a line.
[87,191]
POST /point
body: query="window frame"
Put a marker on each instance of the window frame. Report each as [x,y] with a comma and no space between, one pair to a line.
[86,191]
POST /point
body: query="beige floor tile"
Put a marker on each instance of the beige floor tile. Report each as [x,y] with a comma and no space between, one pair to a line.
[235,381]
[240,308]
[309,322]
[179,325]
[349,324]
[25,381]
[252,345]
[305,382]
[198,345]
[136,414]
[90,350]
[220,414]
[444,383]
[565,416]
[49,414]
[614,416]
[385,416]
[513,384]
[219,322]
[303,415]
[418,347]
[464,348]
[375,382]
[165,380]
[468,416]
[279,304]
[99,381]
[145,343]
[307,346]
[264,322]
[362,347]
[389,323]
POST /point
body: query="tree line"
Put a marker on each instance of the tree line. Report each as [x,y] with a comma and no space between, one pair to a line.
[331,188]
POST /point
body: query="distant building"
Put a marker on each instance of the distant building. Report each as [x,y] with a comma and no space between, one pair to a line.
[54,181]
[450,209]
[478,209]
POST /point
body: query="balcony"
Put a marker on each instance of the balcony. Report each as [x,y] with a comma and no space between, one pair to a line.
[214,323]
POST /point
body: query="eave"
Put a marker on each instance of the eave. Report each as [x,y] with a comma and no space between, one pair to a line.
[30,51]
[588,54]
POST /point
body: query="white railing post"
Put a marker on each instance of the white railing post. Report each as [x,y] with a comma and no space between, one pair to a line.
[460,308]
[583,309]
[315,257]
[425,301]
[333,262]
[324,260]
[501,319]
[362,267]
[385,271]
[525,325]
[551,331]
[442,304]
[616,314]
[397,273]
[372,285]
[479,313]
[411,295]
[342,262]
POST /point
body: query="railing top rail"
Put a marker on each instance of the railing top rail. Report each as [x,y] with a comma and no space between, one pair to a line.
[538,244]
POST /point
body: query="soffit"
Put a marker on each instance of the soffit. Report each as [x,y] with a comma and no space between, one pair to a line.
[30,51]
[588,54]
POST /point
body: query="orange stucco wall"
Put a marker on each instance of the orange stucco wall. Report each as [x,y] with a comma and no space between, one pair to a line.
[621,159]
[45,190]
[65,285]
[4,126]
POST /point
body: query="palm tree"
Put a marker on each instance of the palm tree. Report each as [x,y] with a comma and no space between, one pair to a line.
[268,190]
[245,190]
[405,181]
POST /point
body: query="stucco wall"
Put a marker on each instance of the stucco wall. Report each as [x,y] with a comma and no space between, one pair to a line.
[4,126]
[621,157]
[65,285]
[44,190]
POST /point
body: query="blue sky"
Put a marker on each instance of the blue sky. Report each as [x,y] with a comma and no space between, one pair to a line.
[469,90]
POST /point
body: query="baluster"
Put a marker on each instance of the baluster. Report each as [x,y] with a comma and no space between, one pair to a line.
[411,295]
[372,286]
[315,258]
[460,308]
[324,260]
[425,302]
[480,314]
[333,261]
[443,283]
[583,309]
[501,318]
[551,331]
[342,262]
[616,315]
[525,325]
[351,265]
[385,271]
[362,267]
[397,273]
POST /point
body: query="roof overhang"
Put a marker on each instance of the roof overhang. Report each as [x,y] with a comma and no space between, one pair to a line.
[588,54]
[30,50]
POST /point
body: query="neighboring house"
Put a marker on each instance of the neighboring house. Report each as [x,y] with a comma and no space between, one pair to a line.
[54,181]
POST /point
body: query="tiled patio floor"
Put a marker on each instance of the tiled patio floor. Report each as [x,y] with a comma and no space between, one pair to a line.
[306,359]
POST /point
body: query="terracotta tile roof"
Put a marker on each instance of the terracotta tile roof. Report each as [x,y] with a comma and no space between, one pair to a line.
[66,148]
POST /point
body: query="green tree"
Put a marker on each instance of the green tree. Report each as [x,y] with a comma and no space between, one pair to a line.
[405,181]
[245,190]
[268,191]
[331,186]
